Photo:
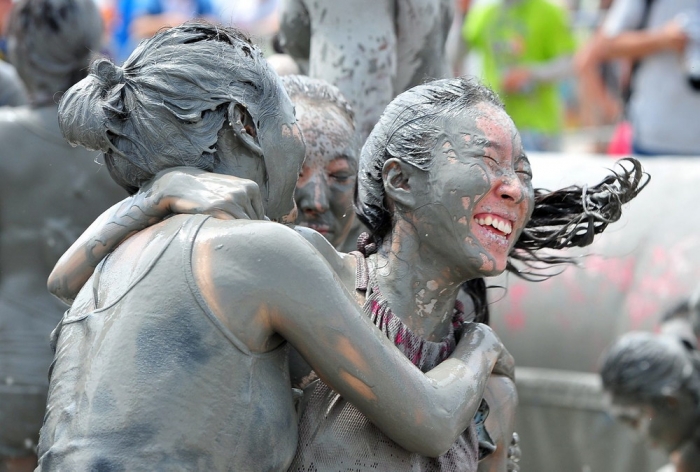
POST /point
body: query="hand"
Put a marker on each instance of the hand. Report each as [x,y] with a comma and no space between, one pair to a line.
[516,79]
[190,191]
[481,336]
[505,365]
[673,36]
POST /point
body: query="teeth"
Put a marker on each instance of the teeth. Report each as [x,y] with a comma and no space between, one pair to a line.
[501,225]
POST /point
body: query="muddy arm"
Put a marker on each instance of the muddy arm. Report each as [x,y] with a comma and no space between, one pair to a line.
[177,190]
[301,299]
[502,399]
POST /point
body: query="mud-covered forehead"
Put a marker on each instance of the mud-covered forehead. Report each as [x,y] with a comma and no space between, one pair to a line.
[328,133]
[484,128]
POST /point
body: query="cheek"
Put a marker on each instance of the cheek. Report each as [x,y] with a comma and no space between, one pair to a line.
[463,188]
[342,202]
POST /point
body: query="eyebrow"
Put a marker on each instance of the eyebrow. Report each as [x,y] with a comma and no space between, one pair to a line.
[485,142]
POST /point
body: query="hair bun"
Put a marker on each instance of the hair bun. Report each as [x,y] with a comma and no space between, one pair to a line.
[108,73]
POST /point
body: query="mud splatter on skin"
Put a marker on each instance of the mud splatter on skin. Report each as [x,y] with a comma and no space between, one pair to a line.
[325,187]
[490,175]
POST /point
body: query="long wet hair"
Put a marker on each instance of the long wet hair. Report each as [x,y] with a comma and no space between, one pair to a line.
[570,217]
[52,44]
[167,104]
[646,367]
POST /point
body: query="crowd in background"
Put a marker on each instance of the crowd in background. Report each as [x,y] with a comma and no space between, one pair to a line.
[576,75]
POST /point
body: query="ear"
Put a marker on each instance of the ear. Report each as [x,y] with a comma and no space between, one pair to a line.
[244,127]
[399,179]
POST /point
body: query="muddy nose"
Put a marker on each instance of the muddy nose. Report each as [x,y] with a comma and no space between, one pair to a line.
[510,187]
[312,198]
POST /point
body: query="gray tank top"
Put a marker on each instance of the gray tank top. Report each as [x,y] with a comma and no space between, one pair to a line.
[153,380]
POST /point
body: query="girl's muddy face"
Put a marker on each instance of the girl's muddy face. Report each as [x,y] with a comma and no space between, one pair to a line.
[665,423]
[324,192]
[478,195]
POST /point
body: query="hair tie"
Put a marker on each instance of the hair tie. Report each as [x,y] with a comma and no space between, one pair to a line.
[105,70]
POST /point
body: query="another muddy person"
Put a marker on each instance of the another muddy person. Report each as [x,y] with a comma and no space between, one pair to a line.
[372,50]
[173,355]
[326,184]
[49,193]
[654,383]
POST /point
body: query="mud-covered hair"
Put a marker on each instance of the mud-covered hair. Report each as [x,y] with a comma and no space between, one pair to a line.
[570,217]
[644,367]
[687,309]
[51,43]
[304,88]
[167,104]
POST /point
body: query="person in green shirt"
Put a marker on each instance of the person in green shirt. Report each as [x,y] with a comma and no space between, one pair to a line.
[526,46]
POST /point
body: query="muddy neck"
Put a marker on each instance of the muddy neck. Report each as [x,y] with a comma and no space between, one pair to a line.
[419,288]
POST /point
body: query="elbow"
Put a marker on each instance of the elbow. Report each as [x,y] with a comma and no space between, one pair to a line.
[436,436]
[434,444]
[57,289]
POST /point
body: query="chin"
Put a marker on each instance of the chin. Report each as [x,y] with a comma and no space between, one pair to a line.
[281,213]
[492,273]
[500,265]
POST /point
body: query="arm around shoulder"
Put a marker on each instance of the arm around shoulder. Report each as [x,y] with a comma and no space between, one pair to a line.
[294,293]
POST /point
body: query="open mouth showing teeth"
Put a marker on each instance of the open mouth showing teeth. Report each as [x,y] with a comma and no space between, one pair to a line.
[496,223]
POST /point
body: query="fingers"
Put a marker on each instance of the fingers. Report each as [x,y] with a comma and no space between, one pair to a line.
[255,207]
[505,365]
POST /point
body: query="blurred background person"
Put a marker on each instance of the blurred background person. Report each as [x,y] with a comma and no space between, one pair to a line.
[663,105]
[12,92]
[654,386]
[49,193]
[600,97]
[525,47]
[134,20]
[258,18]
[372,50]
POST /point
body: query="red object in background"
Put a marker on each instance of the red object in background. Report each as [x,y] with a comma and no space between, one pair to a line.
[621,141]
